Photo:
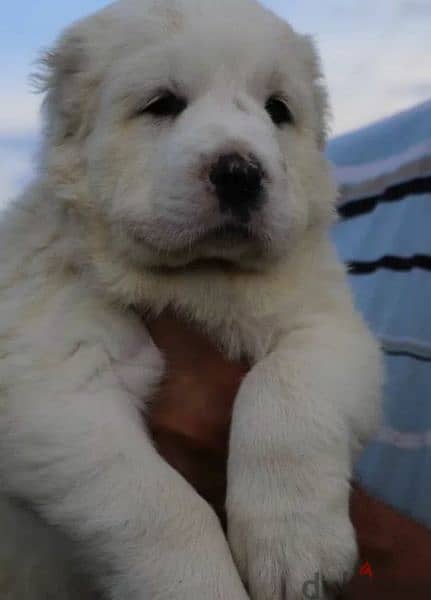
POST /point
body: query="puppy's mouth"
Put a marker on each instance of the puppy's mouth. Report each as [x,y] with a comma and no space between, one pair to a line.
[231,245]
[229,233]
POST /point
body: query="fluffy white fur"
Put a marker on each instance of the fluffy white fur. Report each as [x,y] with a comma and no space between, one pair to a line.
[120,222]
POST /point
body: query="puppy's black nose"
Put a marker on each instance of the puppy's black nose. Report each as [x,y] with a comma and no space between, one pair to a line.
[239,184]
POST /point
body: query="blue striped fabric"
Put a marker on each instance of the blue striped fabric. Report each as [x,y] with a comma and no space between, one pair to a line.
[384,172]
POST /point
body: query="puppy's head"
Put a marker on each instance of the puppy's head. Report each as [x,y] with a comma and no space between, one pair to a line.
[191,130]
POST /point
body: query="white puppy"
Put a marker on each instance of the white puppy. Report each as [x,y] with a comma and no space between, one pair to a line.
[182,167]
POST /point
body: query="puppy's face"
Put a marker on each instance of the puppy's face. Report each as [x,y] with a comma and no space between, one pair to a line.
[199,128]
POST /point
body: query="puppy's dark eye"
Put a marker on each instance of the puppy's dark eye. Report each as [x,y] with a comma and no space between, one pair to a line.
[279,111]
[164,105]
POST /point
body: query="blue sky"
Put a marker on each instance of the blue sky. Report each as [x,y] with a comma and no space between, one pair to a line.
[375,53]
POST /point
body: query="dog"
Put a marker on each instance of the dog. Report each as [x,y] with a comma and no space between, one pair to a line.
[183,167]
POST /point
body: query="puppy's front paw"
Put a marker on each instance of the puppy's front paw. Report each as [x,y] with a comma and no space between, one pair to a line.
[292,553]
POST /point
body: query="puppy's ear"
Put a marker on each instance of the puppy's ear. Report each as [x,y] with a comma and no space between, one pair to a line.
[320,95]
[70,83]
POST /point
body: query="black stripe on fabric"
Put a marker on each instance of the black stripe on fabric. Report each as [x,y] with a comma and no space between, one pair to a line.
[354,208]
[392,263]
[406,354]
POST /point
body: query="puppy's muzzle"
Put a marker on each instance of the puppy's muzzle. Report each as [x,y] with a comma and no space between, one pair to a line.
[238,183]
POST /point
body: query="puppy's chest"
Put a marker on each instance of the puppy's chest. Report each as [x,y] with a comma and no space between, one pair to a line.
[244,337]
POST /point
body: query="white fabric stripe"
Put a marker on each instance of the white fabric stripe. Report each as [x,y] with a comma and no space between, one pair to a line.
[406,345]
[351,175]
[376,186]
[404,440]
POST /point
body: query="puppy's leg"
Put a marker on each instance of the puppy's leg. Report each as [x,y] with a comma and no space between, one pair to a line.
[72,444]
[300,416]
